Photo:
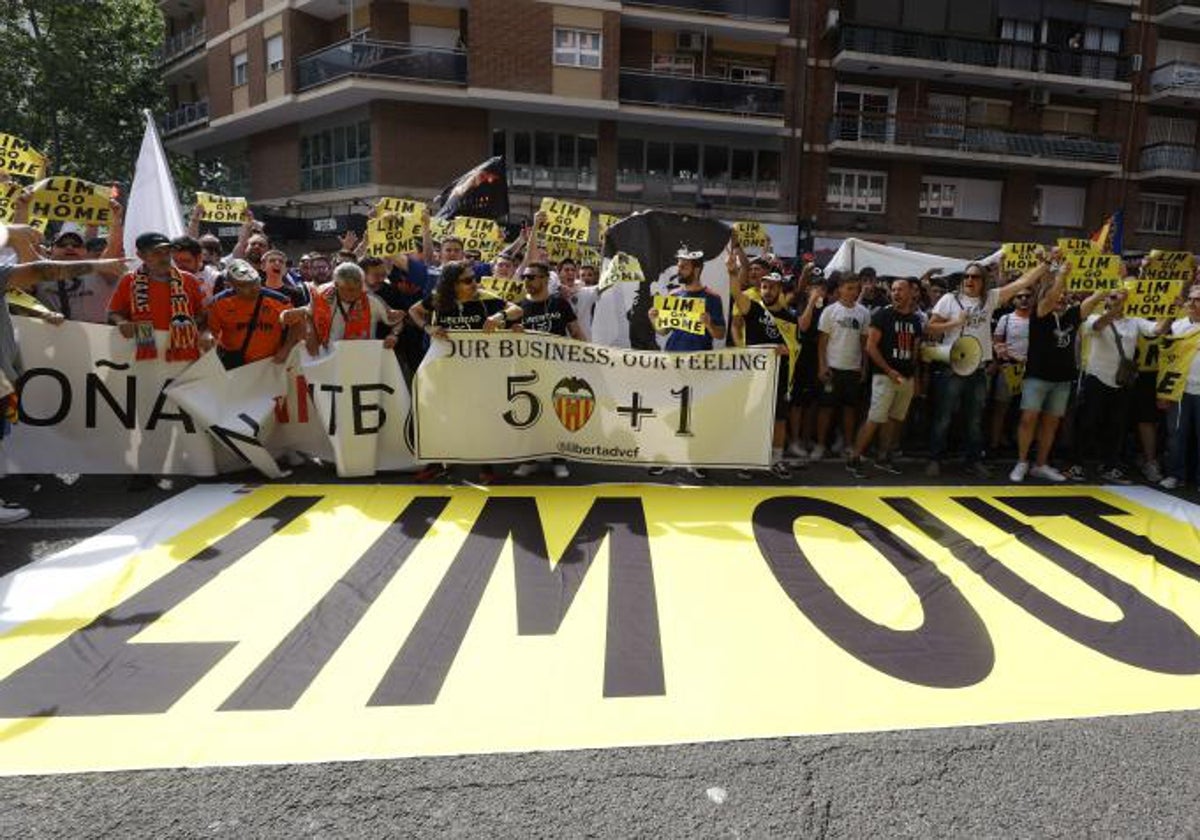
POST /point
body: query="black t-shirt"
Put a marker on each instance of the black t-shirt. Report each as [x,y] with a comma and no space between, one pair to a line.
[551,315]
[899,339]
[394,300]
[464,315]
[760,324]
[1052,346]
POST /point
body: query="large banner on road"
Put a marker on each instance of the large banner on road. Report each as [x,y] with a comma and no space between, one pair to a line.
[483,398]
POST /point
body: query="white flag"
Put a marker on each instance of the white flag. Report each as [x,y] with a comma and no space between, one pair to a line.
[153,203]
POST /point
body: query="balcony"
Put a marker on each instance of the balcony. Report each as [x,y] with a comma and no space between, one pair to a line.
[918,135]
[1175,83]
[182,43]
[687,189]
[664,90]
[774,11]
[382,60]
[187,116]
[1181,13]
[991,63]
[1169,162]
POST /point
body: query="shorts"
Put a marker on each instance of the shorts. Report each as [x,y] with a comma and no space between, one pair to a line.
[1144,406]
[1045,397]
[782,403]
[806,387]
[843,390]
[889,400]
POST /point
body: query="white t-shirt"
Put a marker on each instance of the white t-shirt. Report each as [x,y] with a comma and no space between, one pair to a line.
[1013,330]
[337,328]
[1185,326]
[1103,357]
[846,326]
[585,307]
[979,318]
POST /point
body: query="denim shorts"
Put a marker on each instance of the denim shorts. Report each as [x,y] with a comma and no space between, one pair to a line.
[1045,397]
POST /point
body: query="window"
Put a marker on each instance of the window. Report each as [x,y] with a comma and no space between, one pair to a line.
[1160,214]
[1069,121]
[857,191]
[675,64]
[749,75]
[549,160]
[683,169]
[989,112]
[1058,206]
[336,158]
[946,116]
[274,53]
[971,199]
[1177,131]
[576,47]
[241,69]
[445,37]
[864,114]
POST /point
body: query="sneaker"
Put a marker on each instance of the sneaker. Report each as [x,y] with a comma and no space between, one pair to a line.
[1019,472]
[1151,471]
[294,459]
[933,469]
[697,473]
[1170,483]
[1048,473]
[854,466]
[744,475]
[780,470]
[1076,473]
[978,469]
[561,471]
[887,465]
[1114,475]
[796,451]
[657,470]
[169,483]
[818,452]
[10,513]
[430,471]
[525,469]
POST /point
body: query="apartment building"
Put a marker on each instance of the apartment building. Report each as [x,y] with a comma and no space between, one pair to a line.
[944,125]
[314,107]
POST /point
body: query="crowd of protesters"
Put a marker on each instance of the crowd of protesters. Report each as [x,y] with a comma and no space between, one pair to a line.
[1051,391]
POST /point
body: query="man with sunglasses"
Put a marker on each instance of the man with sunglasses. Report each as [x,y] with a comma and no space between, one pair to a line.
[1183,418]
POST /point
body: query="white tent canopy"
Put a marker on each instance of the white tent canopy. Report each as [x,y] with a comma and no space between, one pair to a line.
[856,254]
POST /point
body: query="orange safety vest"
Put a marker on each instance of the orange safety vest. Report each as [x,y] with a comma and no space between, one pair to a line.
[357,317]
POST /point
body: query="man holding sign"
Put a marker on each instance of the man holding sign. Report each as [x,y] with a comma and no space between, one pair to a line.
[1183,417]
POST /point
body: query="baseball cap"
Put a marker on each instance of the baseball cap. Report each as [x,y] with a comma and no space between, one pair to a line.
[686,253]
[69,234]
[240,271]
[150,241]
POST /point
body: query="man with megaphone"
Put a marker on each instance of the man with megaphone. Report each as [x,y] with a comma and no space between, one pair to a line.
[962,322]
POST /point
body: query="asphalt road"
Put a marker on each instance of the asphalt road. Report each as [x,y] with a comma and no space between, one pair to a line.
[1116,777]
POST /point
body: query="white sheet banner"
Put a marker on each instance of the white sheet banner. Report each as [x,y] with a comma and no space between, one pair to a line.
[482,398]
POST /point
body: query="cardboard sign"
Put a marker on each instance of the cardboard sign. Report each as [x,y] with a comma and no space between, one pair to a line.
[752,235]
[390,235]
[19,158]
[9,193]
[604,221]
[1020,257]
[622,268]
[558,250]
[510,289]
[401,207]
[680,313]
[1067,244]
[1014,376]
[61,199]
[564,220]
[482,235]
[222,209]
[1094,272]
[1176,266]
[1153,299]
[1174,364]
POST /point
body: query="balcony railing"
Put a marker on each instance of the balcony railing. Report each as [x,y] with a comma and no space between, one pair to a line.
[1161,6]
[933,131]
[992,54]
[1169,156]
[182,42]
[184,117]
[670,91]
[776,11]
[688,188]
[1178,77]
[382,59]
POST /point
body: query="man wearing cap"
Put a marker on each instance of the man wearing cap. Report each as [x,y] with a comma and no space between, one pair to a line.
[158,296]
[83,298]
[245,321]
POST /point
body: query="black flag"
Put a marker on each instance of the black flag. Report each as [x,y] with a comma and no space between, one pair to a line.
[481,193]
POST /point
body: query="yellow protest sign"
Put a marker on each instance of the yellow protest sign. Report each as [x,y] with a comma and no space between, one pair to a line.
[1094,272]
[1174,361]
[1076,244]
[510,288]
[481,235]
[622,268]
[676,312]
[8,201]
[401,207]
[604,221]
[1014,376]
[1153,299]
[1146,354]
[752,235]
[1176,266]
[564,220]
[222,209]
[393,234]
[1020,257]
[62,199]
[19,158]
[16,297]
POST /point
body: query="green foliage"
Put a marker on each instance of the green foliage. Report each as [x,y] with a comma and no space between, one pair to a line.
[74,78]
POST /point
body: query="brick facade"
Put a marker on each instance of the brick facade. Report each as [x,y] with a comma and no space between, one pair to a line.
[508,40]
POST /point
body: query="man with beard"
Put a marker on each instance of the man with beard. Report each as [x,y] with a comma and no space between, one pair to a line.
[158,296]
[84,298]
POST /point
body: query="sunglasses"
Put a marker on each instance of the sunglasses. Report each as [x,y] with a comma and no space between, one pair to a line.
[973,276]
[468,281]
[530,276]
[1021,297]
[1194,300]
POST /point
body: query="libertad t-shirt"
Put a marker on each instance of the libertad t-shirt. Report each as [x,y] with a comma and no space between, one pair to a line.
[464,315]
[899,338]
[845,326]
[761,326]
[979,318]
[1052,346]
[551,315]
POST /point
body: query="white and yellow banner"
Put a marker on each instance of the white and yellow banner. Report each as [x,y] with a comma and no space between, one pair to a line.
[482,398]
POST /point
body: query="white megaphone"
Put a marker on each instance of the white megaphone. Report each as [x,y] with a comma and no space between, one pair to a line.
[963,356]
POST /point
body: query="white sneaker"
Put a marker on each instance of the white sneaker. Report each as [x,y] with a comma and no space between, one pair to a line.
[1169,483]
[796,451]
[10,513]
[525,470]
[1151,471]
[1019,472]
[818,452]
[561,471]
[1048,473]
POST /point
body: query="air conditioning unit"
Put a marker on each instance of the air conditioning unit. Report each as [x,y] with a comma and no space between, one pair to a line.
[1039,97]
[689,41]
[832,17]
